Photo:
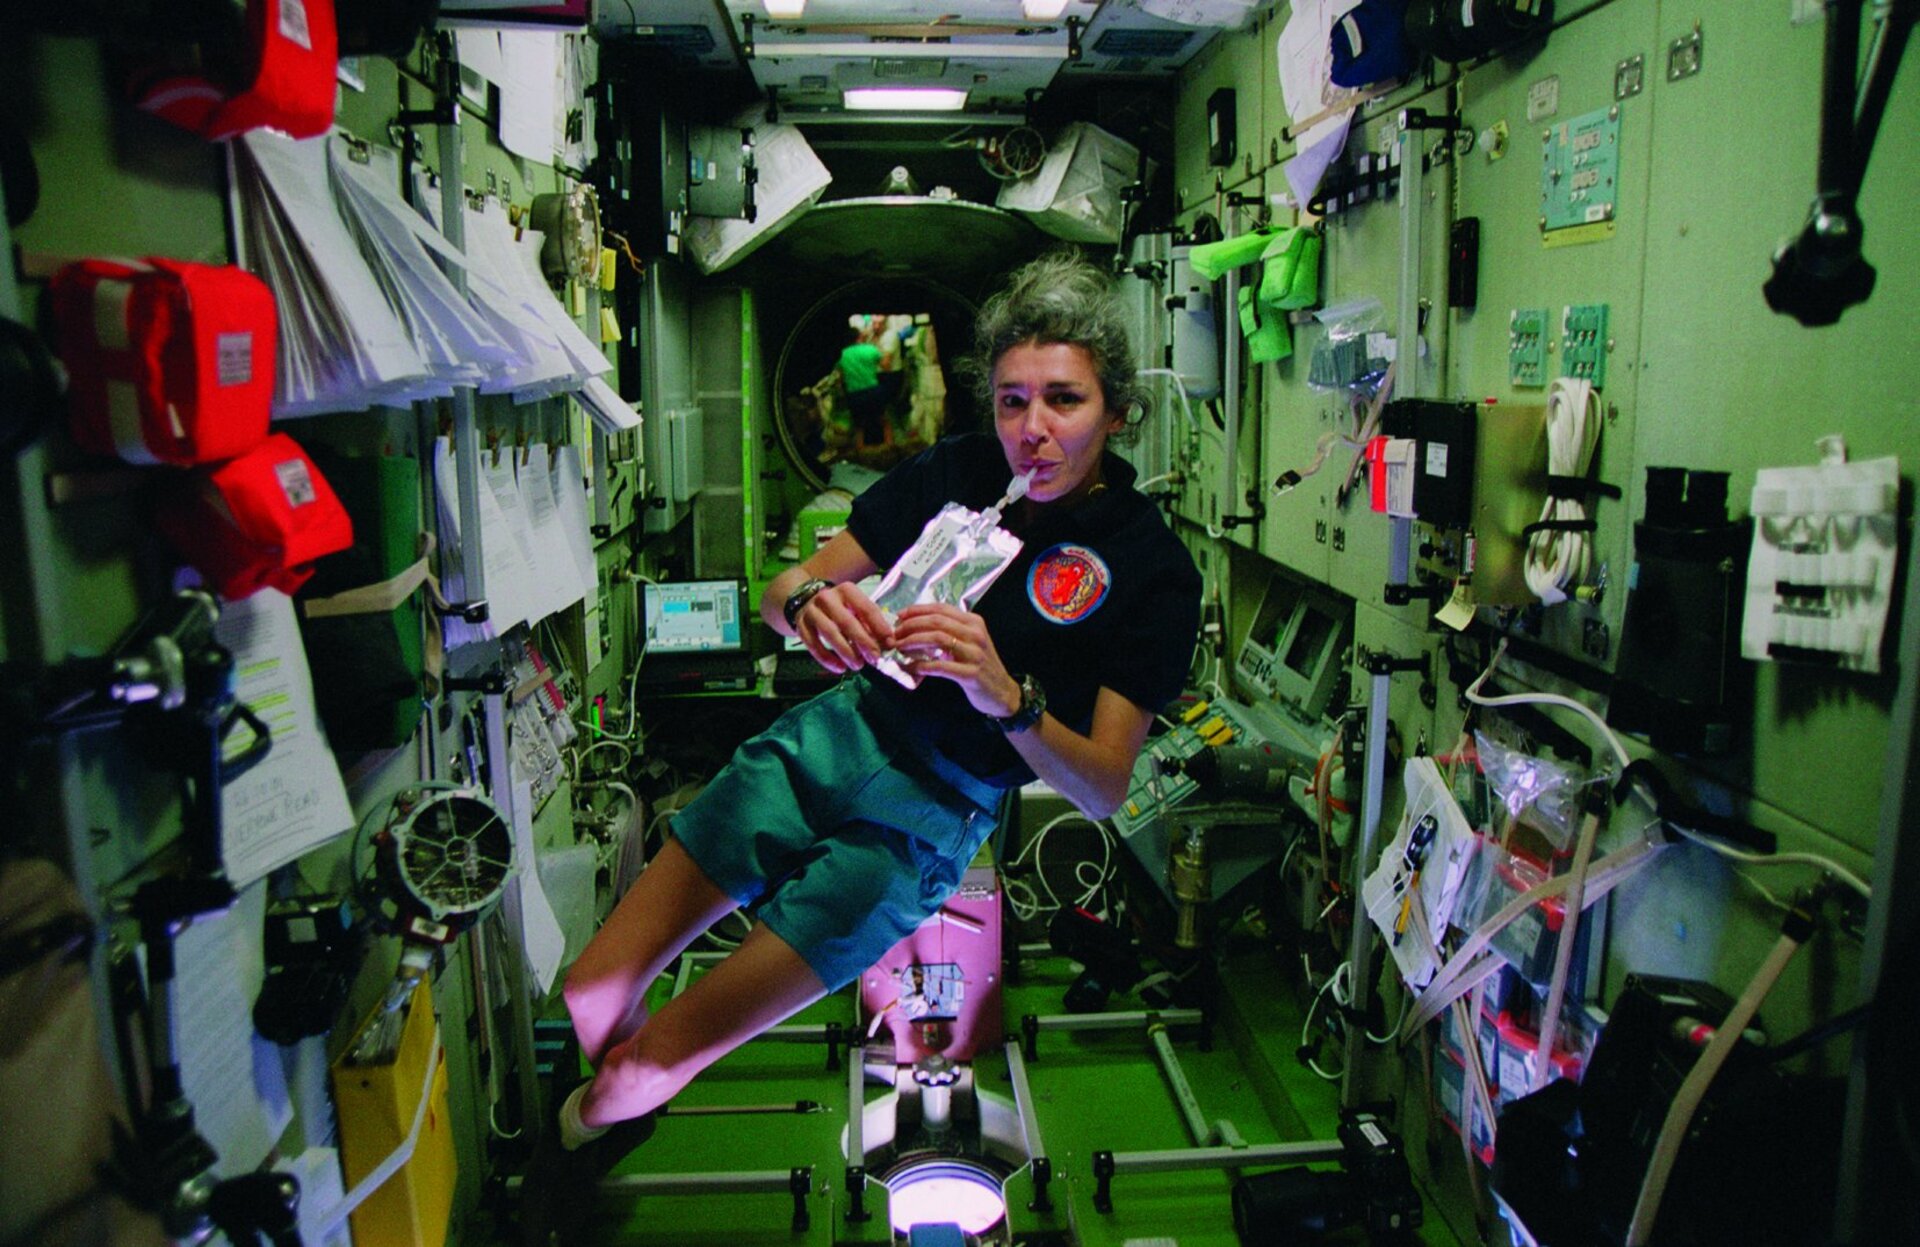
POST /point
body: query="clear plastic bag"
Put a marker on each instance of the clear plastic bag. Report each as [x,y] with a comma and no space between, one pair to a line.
[958,555]
[1356,350]
[1546,793]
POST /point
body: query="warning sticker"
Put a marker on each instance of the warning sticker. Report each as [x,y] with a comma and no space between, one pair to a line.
[233,356]
[295,481]
[293,24]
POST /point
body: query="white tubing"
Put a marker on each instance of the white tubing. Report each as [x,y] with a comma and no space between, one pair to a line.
[1563,951]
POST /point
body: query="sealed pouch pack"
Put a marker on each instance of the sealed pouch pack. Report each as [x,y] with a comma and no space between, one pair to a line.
[257,521]
[284,79]
[958,556]
[170,362]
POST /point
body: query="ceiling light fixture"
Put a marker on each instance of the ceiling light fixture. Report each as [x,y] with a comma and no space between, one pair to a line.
[785,10]
[904,99]
[960,51]
[1043,10]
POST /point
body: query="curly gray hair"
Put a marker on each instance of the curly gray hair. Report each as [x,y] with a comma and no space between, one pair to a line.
[1060,298]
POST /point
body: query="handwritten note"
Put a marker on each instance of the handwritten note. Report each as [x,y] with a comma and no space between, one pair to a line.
[292,801]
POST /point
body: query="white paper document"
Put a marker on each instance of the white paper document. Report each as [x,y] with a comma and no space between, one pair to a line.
[1304,53]
[610,412]
[570,499]
[545,942]
[293,800]
[513,531]
[553,555]
[529,93]
[231,1075]
[506,574]
[342,345]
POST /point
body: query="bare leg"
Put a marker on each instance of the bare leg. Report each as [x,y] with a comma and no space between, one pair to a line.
[759,984]
[670,904]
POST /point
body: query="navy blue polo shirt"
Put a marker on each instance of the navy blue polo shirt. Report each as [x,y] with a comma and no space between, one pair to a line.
[1102,595]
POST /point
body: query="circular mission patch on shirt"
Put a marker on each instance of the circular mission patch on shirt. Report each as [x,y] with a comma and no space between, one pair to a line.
[1068,583]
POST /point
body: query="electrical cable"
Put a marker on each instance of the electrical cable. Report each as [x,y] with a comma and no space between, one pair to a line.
[1780,859]
[1180,387]
[629,732]
[1472,694]
[1021,897]
[1561,556]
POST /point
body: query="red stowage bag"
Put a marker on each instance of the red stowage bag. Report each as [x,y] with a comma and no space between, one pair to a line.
[167,362]
[294,44]
[256,521]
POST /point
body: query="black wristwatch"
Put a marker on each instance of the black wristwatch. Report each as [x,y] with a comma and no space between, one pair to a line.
[797,600]
[1033,704]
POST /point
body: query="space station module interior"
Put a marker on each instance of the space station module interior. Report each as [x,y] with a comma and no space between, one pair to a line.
[415,413]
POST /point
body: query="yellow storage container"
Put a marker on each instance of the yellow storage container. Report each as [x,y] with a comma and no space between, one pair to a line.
[376,1105]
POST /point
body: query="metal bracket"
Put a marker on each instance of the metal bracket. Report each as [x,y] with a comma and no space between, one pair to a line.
[1421,119]
[1684,56]
[1406,595]
[493,682]
[857,1194]
[1379,662]
[445,112]
[1629,77]
[1103,1181]
[1042,1170]
[474,612]
[802,1186]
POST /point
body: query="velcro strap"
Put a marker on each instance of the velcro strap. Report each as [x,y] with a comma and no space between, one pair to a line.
[379,598]
[1575,488]
[1559,526]
[375,599]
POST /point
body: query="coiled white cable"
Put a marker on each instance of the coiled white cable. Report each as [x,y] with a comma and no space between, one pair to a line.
[1558,560]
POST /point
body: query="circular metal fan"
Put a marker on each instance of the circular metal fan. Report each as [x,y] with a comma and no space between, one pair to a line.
[436,861]
[1021,151]
[570,219]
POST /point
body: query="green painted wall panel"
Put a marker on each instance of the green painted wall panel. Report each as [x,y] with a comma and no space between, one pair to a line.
[1726,383]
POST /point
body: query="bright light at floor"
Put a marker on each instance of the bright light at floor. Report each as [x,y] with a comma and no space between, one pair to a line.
[1043,10]
[905,99]
[941,1192]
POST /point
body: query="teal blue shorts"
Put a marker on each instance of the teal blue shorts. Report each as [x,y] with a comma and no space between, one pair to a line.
[834,833]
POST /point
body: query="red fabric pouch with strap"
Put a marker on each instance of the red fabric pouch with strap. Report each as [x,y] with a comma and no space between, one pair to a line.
[169,362]
[295,51]
[257,521]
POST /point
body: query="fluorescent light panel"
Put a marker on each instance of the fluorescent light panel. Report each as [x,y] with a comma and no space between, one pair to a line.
[904,99]
[1039,10]
[960,50]
[789,10]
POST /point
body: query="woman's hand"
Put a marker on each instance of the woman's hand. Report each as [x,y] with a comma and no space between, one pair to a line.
[946,641]
[843,629]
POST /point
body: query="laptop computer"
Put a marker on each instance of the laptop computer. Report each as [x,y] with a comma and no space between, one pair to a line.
[694,637]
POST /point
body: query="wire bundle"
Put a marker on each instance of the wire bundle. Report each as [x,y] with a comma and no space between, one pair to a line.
[1560,547]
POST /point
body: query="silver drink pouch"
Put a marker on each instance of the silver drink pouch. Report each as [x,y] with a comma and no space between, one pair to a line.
[957,557]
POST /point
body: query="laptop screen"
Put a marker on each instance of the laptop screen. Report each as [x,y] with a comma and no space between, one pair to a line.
[693,617]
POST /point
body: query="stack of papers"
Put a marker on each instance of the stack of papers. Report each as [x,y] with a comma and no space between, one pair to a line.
[368,315]
[343,346]
[408,259]
[536,555]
